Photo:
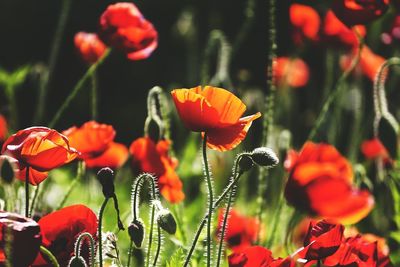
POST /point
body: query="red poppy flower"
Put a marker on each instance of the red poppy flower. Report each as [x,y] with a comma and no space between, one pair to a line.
[215,111]
[153,158]
[3,128]
[24,235]
[91,139]
[373,149]
[241,232]
[318,169]
[123,26]
[306,22]
[291,72]
[339,34]
[40,148]
[114,157]
[322,240]
[89,46]
[60,230]
[257,256]
[353,12]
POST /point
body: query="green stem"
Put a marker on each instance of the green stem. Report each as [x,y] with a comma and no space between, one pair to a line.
[35,195]
[50,257]
[130,254]
[45,85]
[103,206]
[92,246]
[27,192]
[158,246]
[94,98]
[78,87]
[153,211]
[276,220]
[79,175]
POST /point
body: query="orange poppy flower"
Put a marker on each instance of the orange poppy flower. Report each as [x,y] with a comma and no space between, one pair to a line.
[91,139]
[373,149]
[89,46]
[40,148]
[353,12]
[123,26]
[3,128]
[306,22]
[215,111]
[114,157]
[153,158]
[293,72]
[318,169]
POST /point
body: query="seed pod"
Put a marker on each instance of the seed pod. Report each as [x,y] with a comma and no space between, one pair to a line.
[166,221]
[245,163]
[264,156]
[136,232]
[106,179]
[8,166]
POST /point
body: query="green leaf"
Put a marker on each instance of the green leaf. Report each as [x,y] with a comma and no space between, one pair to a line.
[177,259]
[4,76]
[387,134]
[19,75]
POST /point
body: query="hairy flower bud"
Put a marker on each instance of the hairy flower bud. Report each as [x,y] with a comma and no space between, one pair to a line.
[136,232]
[106,179]
[245,162]
[166,221]
[77,262]
[264,156]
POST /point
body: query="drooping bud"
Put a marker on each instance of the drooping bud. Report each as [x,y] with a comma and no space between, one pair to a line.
[154,128]
[264,156]
[166,221]
[77,262]
[7,168]
[136,232]
[106,179]
[245,162]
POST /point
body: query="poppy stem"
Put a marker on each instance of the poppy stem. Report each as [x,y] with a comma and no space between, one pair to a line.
[130,254]
[79,174]
[78,87]
[153,212]
[35,195]
[158,246]
[27,192]
[94,100]
[210,199]
[103,206]
[91,247]
[49,256]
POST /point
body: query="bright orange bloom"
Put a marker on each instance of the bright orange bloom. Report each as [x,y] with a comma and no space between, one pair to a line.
[40,148]
[89,46]
[339,34]
[370,63]
[153,158]
[123,26]
[305,20]
[91,139]
[114,157]
[318,169]
[353,12]
[215,111]
[3,128]
[293,72]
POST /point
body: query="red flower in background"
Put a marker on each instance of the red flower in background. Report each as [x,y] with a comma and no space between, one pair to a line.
[241,231]
[306,22]
[353,12]
[60,230]
[215,111]
[318,169]
[291,72]
[373,149]
[3,128]
[22,235]
[257,256]
[89,46]
[153,158]
[113,157]
[39,148]
[123,26]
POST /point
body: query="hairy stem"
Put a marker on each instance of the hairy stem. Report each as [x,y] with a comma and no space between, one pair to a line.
[49,256]
[103,206]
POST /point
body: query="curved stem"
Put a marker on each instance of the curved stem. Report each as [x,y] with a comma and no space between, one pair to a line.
[103,206]
[136,192]
[78,87]
[51,258]
[158,246]
[153,211]
[78,246]
[27,192]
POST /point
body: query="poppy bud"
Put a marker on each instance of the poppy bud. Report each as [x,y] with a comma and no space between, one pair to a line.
[136,232]
[6,169]
[264,156]
[77,262]
[166,221]
[106,179]
[154,128]
[245,163]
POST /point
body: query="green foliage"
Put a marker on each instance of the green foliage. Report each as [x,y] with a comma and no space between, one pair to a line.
[177,259]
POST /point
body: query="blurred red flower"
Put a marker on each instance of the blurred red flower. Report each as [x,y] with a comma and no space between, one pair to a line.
[24,237]
[318,169]
[306,22]
[153,158]
[373,149]
[113,157]
[241,231]
[91,139]
[61,228]
[291,72]
[40,148]
[123,26]
[257,256]
[89,46]
[215,111]
[3,128]
[353,12]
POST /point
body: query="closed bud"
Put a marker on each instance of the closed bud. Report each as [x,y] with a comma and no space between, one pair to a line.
[106,179]
[7,166]
[245,163]
[77,262]
[136,232]
[264,156]
[154,128]
[166,221]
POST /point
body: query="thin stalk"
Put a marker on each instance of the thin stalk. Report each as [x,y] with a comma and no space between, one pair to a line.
[79,174]
[94,98]
[78,245]
[276,220]
[153,211]
[130,254]
[210,199]
[103,206]
[78,87]
[55,49]
[35,195]
[27,192]
[158,246]
[51,258]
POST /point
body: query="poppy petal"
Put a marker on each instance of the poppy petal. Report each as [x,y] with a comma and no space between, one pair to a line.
[114,157]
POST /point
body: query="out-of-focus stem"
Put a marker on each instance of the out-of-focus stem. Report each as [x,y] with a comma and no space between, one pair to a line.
[94,98]
[103,206]
[27,192]
[51,258]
